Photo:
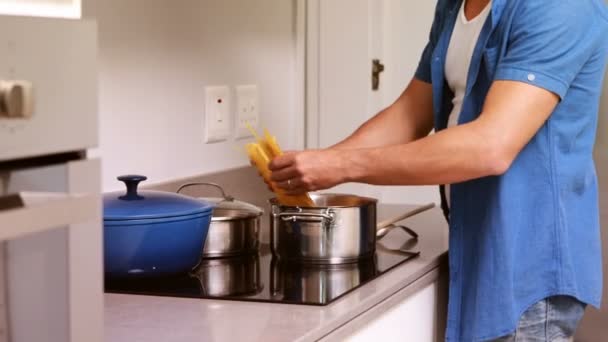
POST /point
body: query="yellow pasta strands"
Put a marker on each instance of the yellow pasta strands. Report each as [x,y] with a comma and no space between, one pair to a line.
[261,154]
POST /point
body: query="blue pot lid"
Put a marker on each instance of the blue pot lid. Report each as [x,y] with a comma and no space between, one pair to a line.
[140,205]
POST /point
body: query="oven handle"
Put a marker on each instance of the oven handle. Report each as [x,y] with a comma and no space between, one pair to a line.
[32,212]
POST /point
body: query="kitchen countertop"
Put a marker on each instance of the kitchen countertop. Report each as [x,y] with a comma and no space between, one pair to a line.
[136,318]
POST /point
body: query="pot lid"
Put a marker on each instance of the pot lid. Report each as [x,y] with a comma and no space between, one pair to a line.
[138,205]
[232,214]
[226,207]
[231,204]
[226,210]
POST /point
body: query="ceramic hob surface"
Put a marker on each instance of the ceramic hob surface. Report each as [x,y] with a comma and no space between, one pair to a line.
[262,278]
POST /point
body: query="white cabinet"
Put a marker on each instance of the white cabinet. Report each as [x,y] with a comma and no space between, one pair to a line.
[416,313]
[42,8]
[414,319]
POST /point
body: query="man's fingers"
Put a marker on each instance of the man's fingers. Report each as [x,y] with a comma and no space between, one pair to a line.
[283,175]
[281,162]
[292,187]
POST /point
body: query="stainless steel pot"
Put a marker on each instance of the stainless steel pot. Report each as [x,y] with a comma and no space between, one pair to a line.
[235,225]
[339,229]
[234,276]
[318,284]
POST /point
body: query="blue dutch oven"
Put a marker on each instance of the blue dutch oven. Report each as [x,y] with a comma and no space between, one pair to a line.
[152,233]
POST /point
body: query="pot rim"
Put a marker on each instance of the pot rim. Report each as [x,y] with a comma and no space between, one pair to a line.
[364,201]
[153,220]
[236,215]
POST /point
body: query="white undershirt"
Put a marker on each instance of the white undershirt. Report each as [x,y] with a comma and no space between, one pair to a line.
[458,60]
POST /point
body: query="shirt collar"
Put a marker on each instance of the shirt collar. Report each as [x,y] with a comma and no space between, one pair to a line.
[497,8]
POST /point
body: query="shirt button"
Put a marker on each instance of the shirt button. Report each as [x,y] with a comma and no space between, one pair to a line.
[531,77]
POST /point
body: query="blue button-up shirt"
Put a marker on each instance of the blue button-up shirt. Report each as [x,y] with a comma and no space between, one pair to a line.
[534,231]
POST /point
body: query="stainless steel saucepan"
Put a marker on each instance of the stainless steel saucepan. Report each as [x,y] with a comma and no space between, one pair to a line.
[339,229]
[235,225]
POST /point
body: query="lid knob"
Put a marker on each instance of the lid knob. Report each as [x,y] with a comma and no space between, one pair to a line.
[132,182]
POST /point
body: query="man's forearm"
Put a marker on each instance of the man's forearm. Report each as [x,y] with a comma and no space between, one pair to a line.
[513,113]
[455,155]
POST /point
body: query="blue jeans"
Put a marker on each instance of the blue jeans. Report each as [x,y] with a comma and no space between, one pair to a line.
[551,320]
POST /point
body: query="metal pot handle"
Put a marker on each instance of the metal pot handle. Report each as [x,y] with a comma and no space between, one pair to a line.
[291,216]
[382,232]
[404,216]
[217,186]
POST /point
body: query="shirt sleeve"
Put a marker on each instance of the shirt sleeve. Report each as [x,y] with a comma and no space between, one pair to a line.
[549,43]
[423,72]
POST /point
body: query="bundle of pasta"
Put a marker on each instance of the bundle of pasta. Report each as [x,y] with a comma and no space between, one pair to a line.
[260,154]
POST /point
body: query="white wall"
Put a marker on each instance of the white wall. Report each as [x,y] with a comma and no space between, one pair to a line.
[156,56]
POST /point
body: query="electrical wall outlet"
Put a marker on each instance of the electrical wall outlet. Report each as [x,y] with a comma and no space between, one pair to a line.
[247,110]
[218,123]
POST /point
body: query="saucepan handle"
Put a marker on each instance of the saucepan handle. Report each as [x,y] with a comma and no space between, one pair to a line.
[386,226]
[217,186]
[406,215]
[382,232]
[291,216]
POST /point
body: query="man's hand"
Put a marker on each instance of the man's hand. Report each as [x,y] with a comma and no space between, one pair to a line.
[300,172]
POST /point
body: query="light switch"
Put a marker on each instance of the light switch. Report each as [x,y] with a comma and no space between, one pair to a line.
[247,110]
[217,114]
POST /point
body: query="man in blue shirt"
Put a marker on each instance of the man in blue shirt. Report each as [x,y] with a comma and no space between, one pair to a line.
[525,252]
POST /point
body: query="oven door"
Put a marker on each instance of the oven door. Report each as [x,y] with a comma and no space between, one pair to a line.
[51,268]
[48,86]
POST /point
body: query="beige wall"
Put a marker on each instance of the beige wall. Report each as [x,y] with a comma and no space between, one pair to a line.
[156,57]
[594,326]
[595,323]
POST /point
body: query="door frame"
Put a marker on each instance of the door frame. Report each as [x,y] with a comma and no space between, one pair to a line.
[307,71]
[300,102]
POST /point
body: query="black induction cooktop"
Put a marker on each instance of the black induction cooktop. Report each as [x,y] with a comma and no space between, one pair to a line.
[262,278]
